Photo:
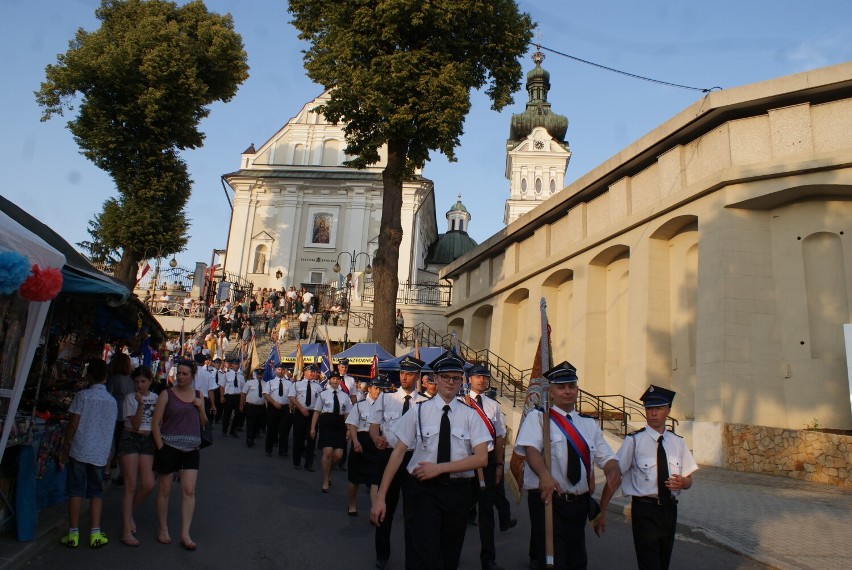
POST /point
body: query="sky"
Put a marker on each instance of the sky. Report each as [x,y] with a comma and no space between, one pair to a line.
[723,43]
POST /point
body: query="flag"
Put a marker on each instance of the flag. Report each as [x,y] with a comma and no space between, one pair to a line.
[324,361]
[181,337]
[271,362]
[300,363]
[256,362]
[374,367]
[143,269]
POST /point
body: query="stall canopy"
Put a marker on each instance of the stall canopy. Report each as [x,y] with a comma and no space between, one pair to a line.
[79,275]
[310,353]
[14,237]
[362,353]
[427,355]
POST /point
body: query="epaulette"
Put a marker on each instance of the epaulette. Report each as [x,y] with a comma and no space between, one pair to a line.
[587,416]
[640,430]
[674,434]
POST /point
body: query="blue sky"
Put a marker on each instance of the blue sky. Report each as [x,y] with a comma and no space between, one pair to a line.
[723,43]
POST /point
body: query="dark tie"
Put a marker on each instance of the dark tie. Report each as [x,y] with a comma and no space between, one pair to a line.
[573,460]
[308,394]
[259,388]
[236,385]
[663,492]
[444,437]
[479,401]
[336,409]
[280,387]
[406,405]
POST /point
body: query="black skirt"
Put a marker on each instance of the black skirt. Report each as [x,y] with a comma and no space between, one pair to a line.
[332,431]
[365,468]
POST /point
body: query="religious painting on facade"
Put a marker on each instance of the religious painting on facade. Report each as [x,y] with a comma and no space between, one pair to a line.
[322,228]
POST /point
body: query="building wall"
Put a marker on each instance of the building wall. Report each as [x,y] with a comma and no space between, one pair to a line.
[720,268]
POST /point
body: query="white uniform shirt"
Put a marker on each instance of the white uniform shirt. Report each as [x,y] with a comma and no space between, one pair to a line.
[420,429]
[253,395]
[324,402]
[530,435]
[492,411]
[299,390]
[205,380]
[388,408]
[272,386]
[359,416]
[226,380]
[637,459]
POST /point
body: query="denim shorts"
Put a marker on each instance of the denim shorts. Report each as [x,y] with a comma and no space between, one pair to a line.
[85,479]
[138,443]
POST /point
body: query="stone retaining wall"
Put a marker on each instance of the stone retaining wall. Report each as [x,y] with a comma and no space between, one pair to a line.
[799,454]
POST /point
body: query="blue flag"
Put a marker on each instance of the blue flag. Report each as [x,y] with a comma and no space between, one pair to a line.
[269,368]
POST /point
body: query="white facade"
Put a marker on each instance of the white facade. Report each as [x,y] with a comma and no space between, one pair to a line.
[536,171]
[296,208]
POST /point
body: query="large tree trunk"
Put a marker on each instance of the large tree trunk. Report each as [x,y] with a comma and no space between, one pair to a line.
[126,269]
[386,261]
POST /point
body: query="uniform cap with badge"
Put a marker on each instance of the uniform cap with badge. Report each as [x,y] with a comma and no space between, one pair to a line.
[562,373]
[410,364]
[479,370]
[447,362]
[656,397]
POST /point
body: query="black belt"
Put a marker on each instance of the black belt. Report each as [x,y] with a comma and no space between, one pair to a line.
[448,481]
[670,502]
[570,498]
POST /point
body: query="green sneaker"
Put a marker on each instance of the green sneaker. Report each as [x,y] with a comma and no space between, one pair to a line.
[98,539]
[71,540]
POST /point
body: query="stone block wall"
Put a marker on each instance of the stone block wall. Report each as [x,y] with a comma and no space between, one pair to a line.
[798,454]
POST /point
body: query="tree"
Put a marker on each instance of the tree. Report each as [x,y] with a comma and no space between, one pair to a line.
[141,84]
[402,72]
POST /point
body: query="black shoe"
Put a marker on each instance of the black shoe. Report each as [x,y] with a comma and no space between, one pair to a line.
[511,524]
[269,454]
[491,565]
[285,454]
[309,468]
[381,565]
[234,434]
[296,466]
[250,443]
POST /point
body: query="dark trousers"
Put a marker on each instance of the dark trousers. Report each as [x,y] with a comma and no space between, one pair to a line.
[303,444]
[485,500]
[276,422]
[653,532]
[504,509]
[383,531]
[569,530]
[254,414]
[303,329]
[437,516]
[231,407]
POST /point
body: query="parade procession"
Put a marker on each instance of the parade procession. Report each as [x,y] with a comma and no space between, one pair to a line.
[323,284]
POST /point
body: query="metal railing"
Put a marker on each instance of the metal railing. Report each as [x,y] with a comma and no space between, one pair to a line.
[168,279]
[512,382]
[426,293]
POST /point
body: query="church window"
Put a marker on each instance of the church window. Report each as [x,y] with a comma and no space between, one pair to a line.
[299,154]
[316,277]
[552,186]
[523,185]
[452,225]
[538,185]
[259,259]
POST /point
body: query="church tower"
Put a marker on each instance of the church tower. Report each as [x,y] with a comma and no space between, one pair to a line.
[537,153]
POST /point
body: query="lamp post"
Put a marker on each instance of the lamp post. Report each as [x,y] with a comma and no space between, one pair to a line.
[353,258]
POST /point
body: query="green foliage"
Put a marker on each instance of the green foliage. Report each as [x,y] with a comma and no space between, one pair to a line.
[402,72]
[139,85]
[814,425]
[404,69]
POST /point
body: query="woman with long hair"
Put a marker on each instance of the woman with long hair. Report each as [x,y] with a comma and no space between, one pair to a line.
[176,428]
[136,450]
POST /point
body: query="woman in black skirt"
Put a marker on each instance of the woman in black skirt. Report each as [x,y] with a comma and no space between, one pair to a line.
[365,461]
[330,410]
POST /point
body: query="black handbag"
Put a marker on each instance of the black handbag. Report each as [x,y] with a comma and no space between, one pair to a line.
[206,431]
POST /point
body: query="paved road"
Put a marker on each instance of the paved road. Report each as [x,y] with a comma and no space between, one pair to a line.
[258,512]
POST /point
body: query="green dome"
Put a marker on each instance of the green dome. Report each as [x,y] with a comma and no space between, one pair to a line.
[458,207]
[537,113]
[449,247]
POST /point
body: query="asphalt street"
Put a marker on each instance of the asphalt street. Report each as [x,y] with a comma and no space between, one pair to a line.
[259,512]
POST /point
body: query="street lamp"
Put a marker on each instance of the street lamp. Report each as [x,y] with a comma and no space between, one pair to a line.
[353,257]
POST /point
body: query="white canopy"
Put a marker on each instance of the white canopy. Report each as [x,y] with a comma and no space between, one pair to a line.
[14,237]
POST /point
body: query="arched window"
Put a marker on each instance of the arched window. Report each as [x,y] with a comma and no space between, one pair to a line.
[330,152]
[523,184]
[538,185]
[299,154]
[552,186]
[259,265]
